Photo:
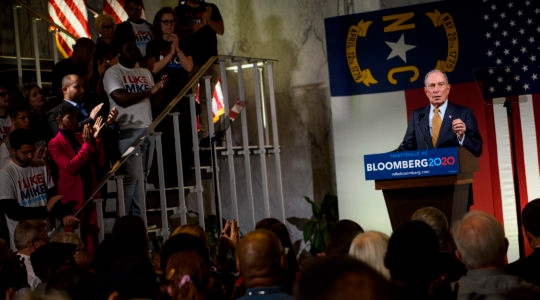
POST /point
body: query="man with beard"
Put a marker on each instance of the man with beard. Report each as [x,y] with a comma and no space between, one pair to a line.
[26,189]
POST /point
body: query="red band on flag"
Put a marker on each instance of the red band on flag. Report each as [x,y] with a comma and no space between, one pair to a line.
[72,16]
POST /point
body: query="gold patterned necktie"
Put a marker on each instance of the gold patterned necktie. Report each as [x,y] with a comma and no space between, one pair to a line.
[435,126]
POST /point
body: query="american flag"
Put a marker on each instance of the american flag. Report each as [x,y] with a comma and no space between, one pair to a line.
[73,17]
[511,45]
[115,8]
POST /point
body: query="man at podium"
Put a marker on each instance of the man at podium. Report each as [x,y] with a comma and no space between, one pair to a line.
[442,123]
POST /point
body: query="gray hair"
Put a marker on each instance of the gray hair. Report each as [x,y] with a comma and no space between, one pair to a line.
[480,239]
[27,231]
[435,71]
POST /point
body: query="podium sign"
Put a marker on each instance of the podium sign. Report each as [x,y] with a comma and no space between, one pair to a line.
[406,164]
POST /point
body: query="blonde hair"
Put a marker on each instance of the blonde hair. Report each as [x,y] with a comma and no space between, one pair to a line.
[103,18]
[370,247]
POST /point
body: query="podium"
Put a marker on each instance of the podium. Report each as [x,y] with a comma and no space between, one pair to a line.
[449,190]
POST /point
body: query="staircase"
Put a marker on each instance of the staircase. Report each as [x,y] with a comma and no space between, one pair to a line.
[243,179]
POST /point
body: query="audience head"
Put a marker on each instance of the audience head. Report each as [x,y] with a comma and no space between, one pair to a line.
[134,9]
[80,254]
[530,217]
[33,96]
[412,255]
[162,23]
[480,240]
[179,243]
[76,283]
[51,258]
[193,229]
[22,146]
[72,88]
[131,277]
[4,97]
[66,116]
[105,25]
[83,50]
[30,235]
[340,277]
[131,230]
[340,237]
[282,233]
[370,247]
[189,276]
[437,220]
[129,54]
[260,258]
[19,115]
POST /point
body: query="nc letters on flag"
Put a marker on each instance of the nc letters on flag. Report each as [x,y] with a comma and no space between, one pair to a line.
[393,49]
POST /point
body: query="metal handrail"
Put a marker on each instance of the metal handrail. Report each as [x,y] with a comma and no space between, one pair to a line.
[192,82]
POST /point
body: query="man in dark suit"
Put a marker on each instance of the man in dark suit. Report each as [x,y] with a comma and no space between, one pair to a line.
[442,123]
[73,91]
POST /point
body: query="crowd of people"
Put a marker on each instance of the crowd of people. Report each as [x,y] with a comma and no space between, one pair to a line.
[422,259]
[55,150]
[107,93]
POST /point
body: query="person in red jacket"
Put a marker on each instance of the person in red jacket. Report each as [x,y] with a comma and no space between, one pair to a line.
[76,155]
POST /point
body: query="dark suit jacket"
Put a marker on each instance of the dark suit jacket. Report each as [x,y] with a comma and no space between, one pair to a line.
[418,135]
[527,268]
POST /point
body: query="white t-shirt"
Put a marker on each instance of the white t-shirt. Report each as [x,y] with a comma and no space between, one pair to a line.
[138,115]
[143,35]
[28,185]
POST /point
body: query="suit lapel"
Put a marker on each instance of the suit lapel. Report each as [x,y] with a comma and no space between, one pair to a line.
[446,132]
[424,124]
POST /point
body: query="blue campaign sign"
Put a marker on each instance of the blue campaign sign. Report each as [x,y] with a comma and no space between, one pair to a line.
[406,164]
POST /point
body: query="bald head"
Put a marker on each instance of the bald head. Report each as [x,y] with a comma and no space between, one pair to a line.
[72,88]
[259,255]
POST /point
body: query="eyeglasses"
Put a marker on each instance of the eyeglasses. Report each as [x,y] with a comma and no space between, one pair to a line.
[3,94]
[440,85]
[167,21]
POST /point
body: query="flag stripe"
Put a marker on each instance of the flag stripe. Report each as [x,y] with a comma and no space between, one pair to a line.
[536,112]
[72,16]
[506,178]
[115,8]
[530,146]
